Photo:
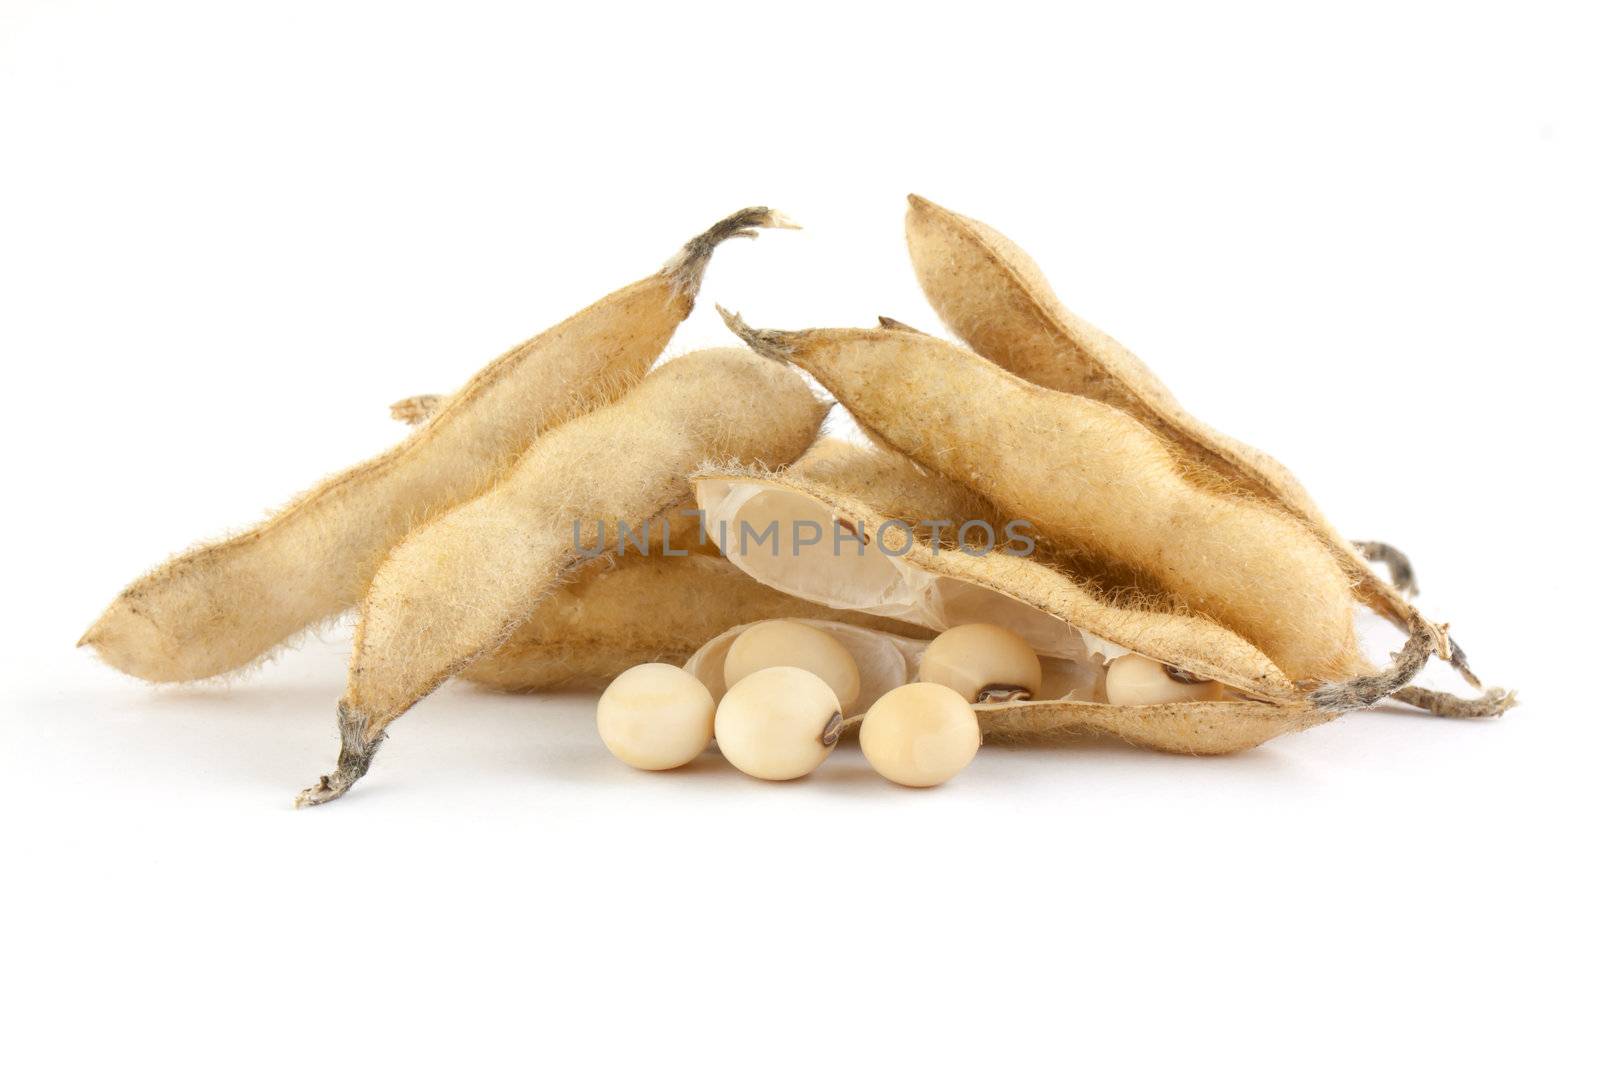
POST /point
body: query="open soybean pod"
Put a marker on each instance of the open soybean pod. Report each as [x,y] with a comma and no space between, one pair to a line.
[1094,481]
[222,606]
[993,296]
[1200,728]
[885,564]
[1101,486]
[462,583]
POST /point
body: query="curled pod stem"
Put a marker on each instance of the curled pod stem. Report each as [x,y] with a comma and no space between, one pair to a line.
[1401,574]
[1492,704]
[1394,682]
[462,583]
[222,606]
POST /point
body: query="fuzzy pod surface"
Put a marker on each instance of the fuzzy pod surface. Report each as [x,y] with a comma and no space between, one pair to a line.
[462,584]
[630,608]
[992,295]
[222,606]
[640,609]
[1094,480]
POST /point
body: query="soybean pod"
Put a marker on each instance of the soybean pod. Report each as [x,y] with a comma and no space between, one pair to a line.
[1095,481]
[222,606]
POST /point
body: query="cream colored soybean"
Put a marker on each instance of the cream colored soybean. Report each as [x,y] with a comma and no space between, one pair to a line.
[982,663]
[1136,679]
[920,734]
[656,716]
[779,723]
[781,643]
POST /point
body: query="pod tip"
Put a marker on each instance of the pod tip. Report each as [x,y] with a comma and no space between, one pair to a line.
[686,269]
[773,344]
[94,633]
[886,323]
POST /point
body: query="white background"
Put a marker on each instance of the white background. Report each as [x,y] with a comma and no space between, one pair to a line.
[229,237]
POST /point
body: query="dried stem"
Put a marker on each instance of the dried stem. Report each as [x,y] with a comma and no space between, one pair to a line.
[356,750]
[1490,705]
[1401,574]
[688,267]
[774,344]
[1458,660]
[1367,691]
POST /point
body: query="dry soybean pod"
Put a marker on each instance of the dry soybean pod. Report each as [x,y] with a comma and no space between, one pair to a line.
[641,609]
[461,584]
[1090,478]
[222,606]
[993,296]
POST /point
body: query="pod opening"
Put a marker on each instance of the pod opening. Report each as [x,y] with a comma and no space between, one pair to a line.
[799,545]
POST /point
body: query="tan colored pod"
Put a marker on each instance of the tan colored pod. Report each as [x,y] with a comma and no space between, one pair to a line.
[639,609]
[222,606]
[1189,729]
[461,584]
[993,296]
[1076,624]
[1094,481]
